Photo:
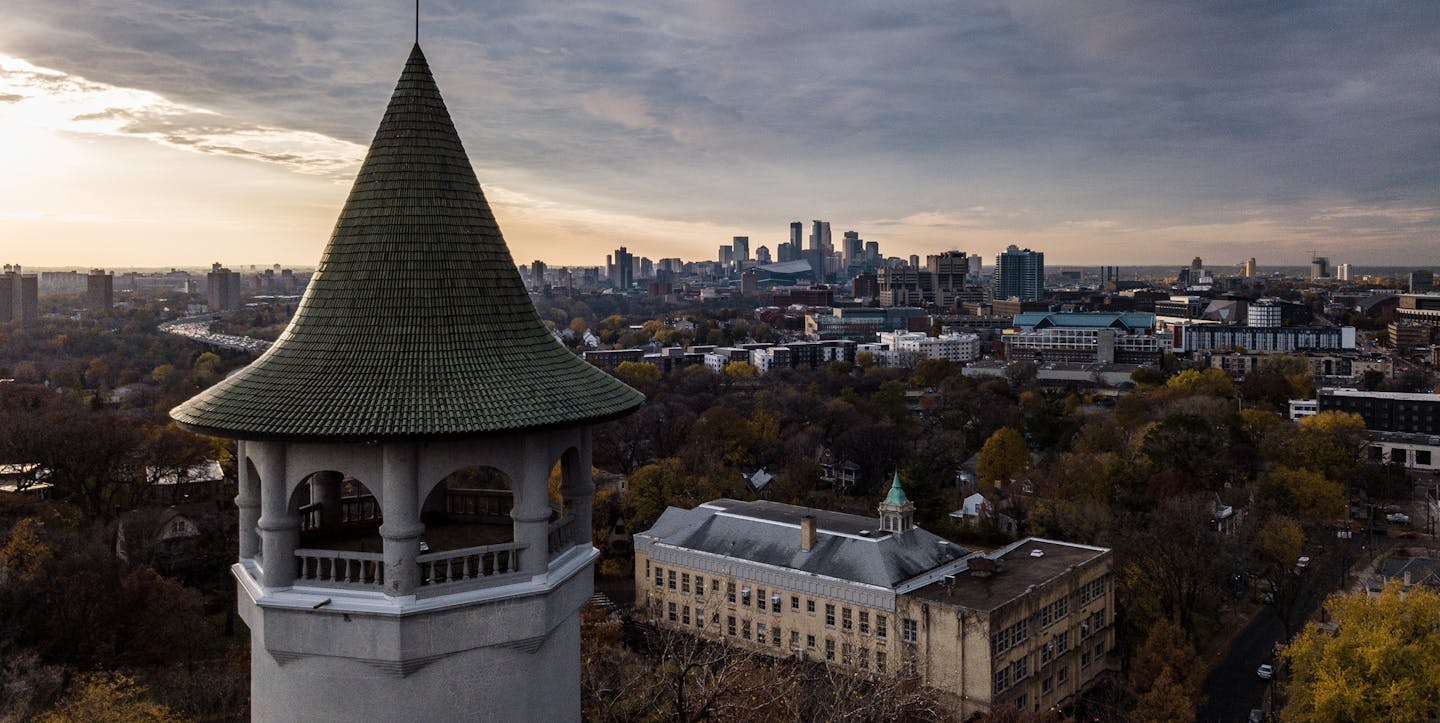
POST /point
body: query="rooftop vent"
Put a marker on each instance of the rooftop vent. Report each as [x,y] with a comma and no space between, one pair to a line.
[1037,552]
[983,566]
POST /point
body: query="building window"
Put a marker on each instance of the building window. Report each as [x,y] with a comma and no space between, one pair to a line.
[647,568]
[1063,675]
[846,623]
[685,615]
[794,602]
[745,596]
[1002,680]
[829,649]
[829,615]
[730,625]
[745,629]
[775,636]
[1020,702]
[810,641]
[700,585]
[880,626]
[730,592]
[1062,642]
[1046,686]
[685,582]
[659,577]
[847,654]
[1084,659]
[909,630]
[795,639]
[810,606]
[671,612]
[760,599]
[670,579]
[879,661]
[760,632]
[1422,458]
[1010,637]
[864,622]
[1022,668]
[1047,653]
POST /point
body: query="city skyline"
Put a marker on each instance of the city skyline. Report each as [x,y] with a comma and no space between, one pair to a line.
[151,133]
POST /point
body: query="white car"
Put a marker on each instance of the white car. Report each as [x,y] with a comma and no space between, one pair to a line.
[1302,563]
[1399,518]
[1266,671]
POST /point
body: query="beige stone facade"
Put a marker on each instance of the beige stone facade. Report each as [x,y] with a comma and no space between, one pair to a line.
[1011,627]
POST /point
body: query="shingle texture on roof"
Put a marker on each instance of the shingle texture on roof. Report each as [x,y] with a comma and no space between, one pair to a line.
[416,323]
[769,533]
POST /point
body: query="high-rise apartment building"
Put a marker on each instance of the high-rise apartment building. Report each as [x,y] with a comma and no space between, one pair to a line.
[853,248]
[1319,268]
[1019,273]
[797,237]
[99,293]
[222,289]
[1342,271]
[624,276]
[19,296]
[537,274]
[740,245]
[1250,268]
[785,252]
[820,237]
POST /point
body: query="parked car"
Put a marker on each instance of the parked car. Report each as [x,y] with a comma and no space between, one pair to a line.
[1266,671]
[1399,518]
[1256,716]
[1301,564]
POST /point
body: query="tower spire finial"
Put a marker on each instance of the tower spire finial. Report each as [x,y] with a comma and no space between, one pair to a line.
[417,22]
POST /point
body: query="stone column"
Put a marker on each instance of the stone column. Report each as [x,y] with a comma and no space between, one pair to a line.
[325,491]
[248,500]
[578,488]
[401,529]
[531,512]
[279,530]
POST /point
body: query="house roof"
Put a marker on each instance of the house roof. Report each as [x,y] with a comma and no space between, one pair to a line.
[1084,320]
[847,547]
[416,323]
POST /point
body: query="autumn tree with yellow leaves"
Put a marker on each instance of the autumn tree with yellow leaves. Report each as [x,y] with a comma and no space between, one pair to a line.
[1381,663]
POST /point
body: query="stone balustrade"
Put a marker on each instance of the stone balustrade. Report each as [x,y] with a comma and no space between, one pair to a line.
[339,568]
[476,565]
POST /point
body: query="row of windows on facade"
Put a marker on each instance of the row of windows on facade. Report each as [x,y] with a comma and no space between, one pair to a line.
[668,579]
[1019,632]
[852,655]
[1017,671]
[1051,614]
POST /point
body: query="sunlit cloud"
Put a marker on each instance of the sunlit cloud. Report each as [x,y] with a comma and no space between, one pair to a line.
[57,101]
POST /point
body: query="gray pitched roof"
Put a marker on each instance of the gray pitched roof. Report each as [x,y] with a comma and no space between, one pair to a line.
[769,533]
[417,323]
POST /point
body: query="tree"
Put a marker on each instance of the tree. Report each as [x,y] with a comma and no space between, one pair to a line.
[1165,676]
[740,370]
[1004,455]
[1303,492]
[1381,662]
[110,697]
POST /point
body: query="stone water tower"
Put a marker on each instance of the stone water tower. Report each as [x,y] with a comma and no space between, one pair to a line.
[403,555]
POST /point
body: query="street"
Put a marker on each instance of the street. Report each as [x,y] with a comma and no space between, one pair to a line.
[1233,688]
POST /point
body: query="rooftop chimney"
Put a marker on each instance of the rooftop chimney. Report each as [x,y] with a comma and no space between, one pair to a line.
[807,533]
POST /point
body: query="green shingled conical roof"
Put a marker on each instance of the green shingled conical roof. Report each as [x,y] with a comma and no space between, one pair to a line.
[416,323]
[897,493]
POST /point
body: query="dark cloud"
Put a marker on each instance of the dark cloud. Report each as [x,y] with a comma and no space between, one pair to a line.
[1146,115]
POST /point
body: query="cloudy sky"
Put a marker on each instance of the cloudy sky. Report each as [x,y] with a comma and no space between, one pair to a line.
[160,132]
